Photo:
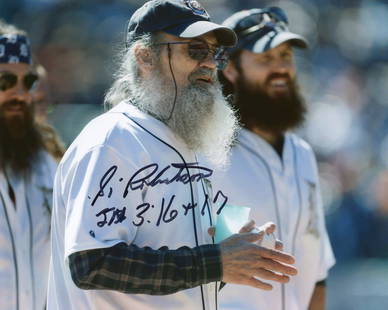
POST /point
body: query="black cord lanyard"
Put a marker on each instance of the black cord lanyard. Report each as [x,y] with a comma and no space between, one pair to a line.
[208,200]
[174,80]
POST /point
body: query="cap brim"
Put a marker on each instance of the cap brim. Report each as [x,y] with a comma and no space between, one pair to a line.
[224,35]
[295,39]
[262,45]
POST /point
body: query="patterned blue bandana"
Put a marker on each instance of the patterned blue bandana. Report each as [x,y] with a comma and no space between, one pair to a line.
[15,48]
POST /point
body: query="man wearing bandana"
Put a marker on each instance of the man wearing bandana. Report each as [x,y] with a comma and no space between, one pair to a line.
[272,170]
[26,178]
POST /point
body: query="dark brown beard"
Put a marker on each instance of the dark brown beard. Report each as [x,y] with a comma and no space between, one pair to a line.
[276,114]
[20,141]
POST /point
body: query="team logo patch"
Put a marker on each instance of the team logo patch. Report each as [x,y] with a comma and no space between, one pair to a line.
[196,7]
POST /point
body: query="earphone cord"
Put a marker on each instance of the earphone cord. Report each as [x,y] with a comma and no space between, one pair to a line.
[173,78]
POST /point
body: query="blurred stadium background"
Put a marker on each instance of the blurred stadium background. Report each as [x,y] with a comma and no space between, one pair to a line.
[344,76]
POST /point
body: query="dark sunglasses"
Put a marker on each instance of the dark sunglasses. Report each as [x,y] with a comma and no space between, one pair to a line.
[9,80]
[272,17]
[200,51]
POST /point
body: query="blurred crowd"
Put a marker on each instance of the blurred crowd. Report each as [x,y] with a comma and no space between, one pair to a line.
[344,76]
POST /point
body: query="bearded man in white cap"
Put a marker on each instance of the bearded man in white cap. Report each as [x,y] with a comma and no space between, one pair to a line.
[273,171]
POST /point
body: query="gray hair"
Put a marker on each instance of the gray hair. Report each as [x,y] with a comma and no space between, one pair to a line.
[127,77]
[10,29]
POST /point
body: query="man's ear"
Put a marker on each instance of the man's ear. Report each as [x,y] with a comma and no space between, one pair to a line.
[144,58]
[231,73]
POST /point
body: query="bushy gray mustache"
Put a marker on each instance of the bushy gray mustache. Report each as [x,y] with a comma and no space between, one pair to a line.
[201,72]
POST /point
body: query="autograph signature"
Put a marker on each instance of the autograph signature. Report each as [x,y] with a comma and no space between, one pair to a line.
[151,176]
[167,211]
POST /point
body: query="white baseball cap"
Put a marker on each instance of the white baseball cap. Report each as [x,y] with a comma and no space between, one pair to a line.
[259,30]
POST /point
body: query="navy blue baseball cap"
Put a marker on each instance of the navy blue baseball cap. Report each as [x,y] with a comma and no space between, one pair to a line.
[259,30]
[181,18]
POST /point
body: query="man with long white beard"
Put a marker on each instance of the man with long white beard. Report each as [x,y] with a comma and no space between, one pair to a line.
[277,168]
[26,180]
[132,204]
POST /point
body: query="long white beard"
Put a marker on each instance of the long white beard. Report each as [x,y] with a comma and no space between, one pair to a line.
[201,117]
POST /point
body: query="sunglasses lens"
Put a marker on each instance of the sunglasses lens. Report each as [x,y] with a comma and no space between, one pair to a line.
[201,51]
[271,18]
[250,21]
[30,81]
[7,81]
[198,52]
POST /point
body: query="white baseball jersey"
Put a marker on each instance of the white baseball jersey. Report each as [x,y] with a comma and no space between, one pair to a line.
[128,162]
[25,236]
[285,191]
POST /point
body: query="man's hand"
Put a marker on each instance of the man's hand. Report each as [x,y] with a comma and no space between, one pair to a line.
[243,260]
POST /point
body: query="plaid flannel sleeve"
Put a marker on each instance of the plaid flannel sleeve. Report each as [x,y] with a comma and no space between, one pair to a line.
[130,269]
